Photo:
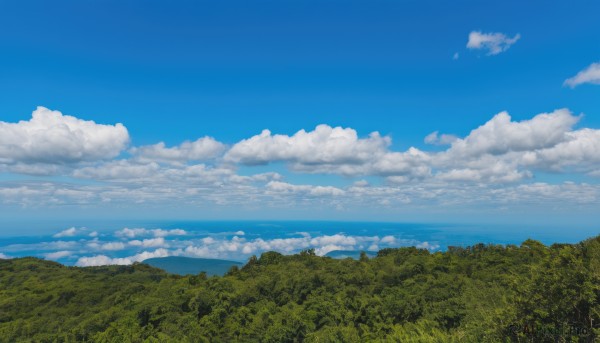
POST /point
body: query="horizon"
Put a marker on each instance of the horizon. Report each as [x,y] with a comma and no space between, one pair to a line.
[115,242]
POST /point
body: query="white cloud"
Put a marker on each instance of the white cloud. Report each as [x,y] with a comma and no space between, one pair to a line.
[70,232]
[501,135]
[579,150]
[58,254]
[589,75]
[493,42]
[31,168]
[132,233]
[4,256]
[388,239]
[239,246]
[373,247]
[553,195]
[112,246]
[503,150]
[184,177]
[201,149]
[323,250]
[208,240]
[149,243]
[278,187]
[325,145]
[53,138]
[499,152]
[102,260]
[118,170]
[413,163]
[436,139]
[337,239]
[497,173]
[164,233]
[200,251]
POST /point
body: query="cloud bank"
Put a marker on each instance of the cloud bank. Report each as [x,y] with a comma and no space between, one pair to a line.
[117,251]
[490,165]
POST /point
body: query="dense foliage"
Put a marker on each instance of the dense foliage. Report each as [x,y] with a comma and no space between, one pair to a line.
[483,293]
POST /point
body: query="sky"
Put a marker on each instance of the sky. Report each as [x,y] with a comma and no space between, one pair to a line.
[420,111]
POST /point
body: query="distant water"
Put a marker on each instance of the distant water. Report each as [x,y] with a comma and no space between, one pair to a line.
[447,234]
[185,265]
[236,240]
[353,254]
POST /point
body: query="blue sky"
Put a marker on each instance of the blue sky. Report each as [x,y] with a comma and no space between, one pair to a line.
[181,70]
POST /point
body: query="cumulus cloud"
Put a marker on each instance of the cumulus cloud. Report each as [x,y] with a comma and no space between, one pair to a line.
[4,256]
[499,152]
[164,233]
[388,239]
[131,233]
[501,135]
[58,255]
[149,243]
[239,246]
[112,246]
[436,139]
[329,150]
[590,75]
[325,145]
[277,187]
[201,149]
[413,163]
[493,42]
[70,232]
[503,150]
[580,150]
[496,173]
[50,137]
[556,195]
[102,260]
[31,168]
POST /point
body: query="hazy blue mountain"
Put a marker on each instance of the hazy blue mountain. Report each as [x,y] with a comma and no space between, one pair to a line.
[187,265]
[355,254]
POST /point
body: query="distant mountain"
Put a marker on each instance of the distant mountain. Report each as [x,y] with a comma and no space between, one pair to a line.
[187,265]
[354,254]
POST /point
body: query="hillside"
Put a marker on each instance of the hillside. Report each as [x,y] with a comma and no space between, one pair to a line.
[483,293]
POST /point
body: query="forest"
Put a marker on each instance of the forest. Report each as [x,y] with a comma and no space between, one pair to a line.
[482,293]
